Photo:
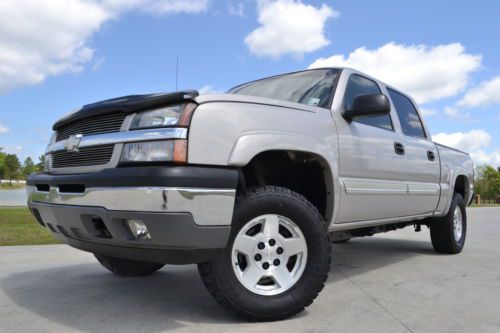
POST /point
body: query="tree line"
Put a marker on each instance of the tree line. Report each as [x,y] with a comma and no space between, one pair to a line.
[487,181]
[12,169]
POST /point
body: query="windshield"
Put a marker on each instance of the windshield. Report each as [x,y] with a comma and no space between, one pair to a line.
[312,87]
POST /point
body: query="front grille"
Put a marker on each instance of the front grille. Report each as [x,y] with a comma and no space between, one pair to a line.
[87,156]
[108,123]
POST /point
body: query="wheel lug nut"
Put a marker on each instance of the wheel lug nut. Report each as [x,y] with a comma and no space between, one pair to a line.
[265,265]
[258,257]
[279,250]
[272,242]
[261,246]
[276,262]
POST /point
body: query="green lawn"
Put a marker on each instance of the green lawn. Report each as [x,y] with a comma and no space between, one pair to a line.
[14,186]
[18,227]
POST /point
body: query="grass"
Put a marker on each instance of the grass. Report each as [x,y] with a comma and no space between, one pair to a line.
[18,227]
[15,186]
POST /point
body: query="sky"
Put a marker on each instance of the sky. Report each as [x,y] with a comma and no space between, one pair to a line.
[58,55]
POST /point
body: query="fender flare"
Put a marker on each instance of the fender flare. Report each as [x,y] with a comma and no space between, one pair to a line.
[251,144]
[454,174]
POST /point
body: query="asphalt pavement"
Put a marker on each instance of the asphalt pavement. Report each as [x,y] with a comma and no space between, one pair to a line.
[393,282]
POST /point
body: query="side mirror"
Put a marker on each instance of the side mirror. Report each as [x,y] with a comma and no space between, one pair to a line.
[368,105]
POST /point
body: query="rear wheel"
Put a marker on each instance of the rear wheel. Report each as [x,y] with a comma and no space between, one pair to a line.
[448,232]
[277,258]
[125,267]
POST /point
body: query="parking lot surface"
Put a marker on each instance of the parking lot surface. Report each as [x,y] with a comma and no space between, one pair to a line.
[393,282]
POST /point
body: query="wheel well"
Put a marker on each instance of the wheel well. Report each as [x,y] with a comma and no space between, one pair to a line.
[304,173]
[461,186]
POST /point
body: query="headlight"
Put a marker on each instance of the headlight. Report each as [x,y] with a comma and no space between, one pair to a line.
[155,151]
[47,163]
[175,115]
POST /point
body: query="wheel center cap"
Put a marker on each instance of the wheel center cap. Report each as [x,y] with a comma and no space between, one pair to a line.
[268,254]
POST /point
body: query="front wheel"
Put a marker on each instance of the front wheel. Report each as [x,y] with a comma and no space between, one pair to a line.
[277,258]
[448,232]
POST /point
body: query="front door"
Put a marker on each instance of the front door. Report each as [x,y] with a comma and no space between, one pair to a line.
[371,163]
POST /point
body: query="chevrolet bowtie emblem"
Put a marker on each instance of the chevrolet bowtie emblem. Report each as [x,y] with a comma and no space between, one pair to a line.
[73,142]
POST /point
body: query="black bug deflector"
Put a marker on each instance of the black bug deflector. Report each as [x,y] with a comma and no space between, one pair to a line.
[127,104]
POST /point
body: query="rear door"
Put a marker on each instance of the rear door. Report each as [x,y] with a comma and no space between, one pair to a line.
[422,172]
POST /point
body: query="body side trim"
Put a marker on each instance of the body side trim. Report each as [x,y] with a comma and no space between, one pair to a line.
[369,223]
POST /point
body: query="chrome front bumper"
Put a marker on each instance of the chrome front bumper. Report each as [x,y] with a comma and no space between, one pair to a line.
[187,211]
[209,207]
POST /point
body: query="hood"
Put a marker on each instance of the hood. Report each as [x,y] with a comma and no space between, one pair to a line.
[236,98]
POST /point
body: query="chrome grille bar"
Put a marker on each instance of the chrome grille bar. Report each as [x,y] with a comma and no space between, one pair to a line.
[98,155]
[99,124]
[123,137]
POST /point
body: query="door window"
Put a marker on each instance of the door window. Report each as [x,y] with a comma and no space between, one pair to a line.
[359,85]
[407,114]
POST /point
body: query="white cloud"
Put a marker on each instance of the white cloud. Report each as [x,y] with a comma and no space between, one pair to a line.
[158,7]
[12,149]
[39,39]
[236,9]
[469,141]
[44,38]
[427,73]
[289,27]
[474,142]
[210,89]
[487,93]
[480,157]
[427,112]
[456,114]
[3,129]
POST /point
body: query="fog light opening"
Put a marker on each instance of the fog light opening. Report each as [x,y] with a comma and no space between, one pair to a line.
[138,229]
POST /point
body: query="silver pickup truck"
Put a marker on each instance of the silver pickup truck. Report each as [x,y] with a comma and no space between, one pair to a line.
[253,185]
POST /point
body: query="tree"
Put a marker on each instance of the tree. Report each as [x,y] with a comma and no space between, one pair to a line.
[40,166]
[2,160]
[487,181]
[28,167]
[11,167]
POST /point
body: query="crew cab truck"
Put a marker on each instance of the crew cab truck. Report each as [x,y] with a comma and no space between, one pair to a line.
[252,185]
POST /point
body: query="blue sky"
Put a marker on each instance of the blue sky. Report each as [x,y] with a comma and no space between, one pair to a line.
[57,57]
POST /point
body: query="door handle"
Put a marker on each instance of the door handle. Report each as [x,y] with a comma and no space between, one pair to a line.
[430,156]
[399,148]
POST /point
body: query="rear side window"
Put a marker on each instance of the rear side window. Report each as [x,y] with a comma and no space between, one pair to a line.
[359,85]
[407,114]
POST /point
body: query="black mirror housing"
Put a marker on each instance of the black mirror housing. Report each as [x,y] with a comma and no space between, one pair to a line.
[368,105]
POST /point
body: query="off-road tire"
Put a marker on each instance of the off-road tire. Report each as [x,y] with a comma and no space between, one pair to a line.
[128,268]
[442,231]
[222,283]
